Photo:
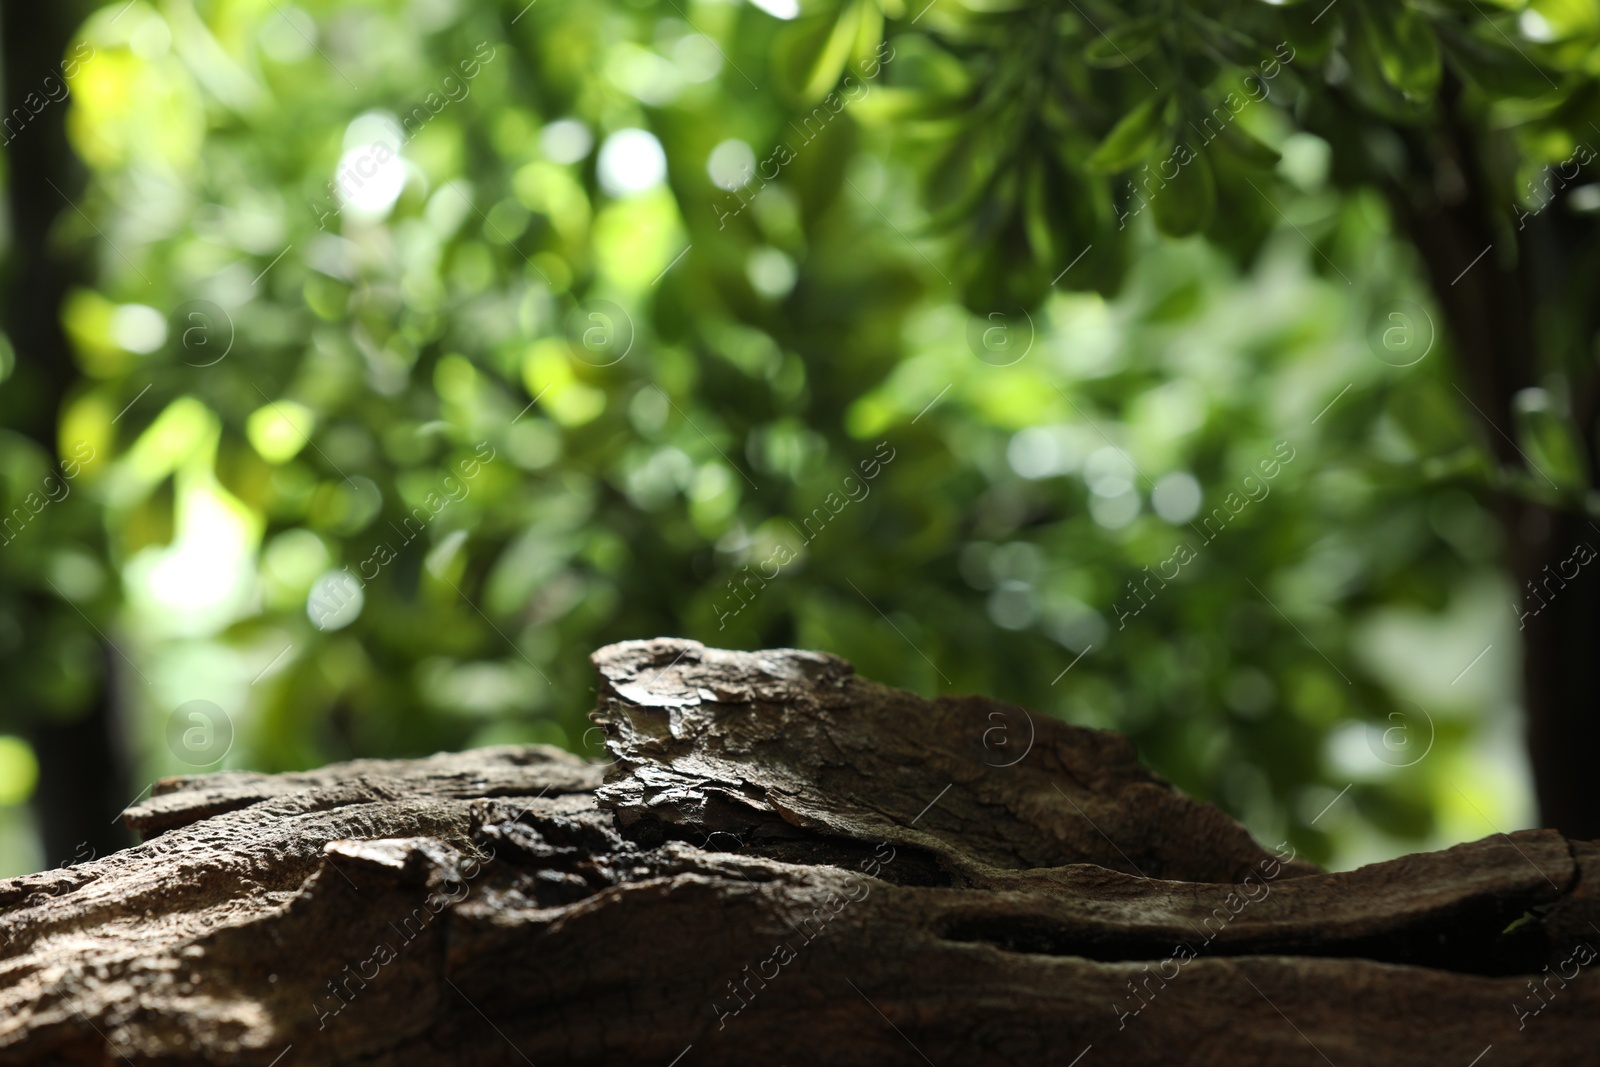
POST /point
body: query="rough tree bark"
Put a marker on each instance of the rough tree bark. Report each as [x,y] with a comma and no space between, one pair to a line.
[781,861]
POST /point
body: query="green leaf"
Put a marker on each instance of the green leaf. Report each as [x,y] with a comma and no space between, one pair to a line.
[1045,208]
[1183,205]
[1130,138]
[868,36]
[924,66]
[1499,70]
[1243,146]
[799,50]
[1124,44]
[1364,48]
[1405,47]
[960,178]
[810,54]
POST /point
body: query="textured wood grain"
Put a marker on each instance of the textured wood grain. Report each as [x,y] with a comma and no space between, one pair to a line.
[781,862]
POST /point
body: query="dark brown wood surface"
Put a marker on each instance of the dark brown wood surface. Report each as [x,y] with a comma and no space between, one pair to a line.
[782,863]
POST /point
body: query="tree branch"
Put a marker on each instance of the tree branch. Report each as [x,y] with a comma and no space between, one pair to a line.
[783,860]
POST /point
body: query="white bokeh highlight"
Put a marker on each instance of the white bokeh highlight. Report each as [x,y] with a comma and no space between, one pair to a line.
[631,162]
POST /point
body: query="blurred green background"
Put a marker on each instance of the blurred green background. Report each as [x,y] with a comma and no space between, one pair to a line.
[413,349]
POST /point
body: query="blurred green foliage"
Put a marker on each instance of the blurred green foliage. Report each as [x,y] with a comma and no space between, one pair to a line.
[611,308]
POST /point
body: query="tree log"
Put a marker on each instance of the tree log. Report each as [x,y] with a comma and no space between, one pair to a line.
[782,861]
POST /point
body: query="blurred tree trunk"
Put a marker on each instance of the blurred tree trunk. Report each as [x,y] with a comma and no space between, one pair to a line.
[782,863]
[1559,646]
[1519,305]
[82,782]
